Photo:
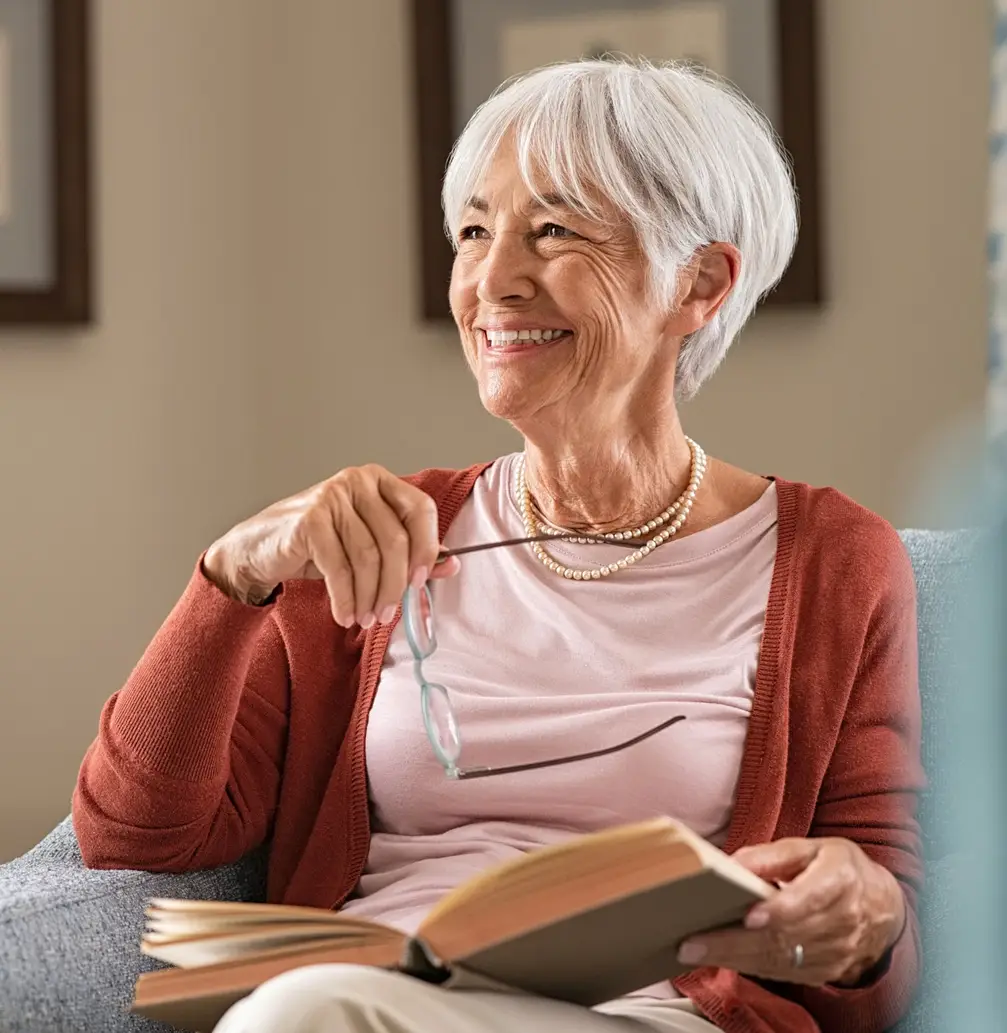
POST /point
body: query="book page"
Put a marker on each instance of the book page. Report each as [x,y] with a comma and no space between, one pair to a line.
[192,917]
[195,951]
[193,933]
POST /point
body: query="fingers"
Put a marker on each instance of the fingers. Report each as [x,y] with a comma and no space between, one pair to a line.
[382,583]
[445,568]
[770,954]
[364,556]
[329,558]
[388,533]
[823,881]
[781,860]
[418,515]
[841,908]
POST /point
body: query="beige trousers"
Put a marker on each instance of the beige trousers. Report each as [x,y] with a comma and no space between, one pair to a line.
[355,999]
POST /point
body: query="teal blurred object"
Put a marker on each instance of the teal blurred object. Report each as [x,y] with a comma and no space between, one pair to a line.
[971,957]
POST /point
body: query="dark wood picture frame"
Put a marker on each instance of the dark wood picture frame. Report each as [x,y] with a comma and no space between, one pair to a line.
[797,36]
[67,300]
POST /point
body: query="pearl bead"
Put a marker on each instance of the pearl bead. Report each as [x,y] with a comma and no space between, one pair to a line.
[682,505]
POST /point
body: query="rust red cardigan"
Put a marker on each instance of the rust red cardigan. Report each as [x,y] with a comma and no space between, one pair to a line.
[243,724]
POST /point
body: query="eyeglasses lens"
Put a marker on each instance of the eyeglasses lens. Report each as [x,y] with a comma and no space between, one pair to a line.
[419,615]
[441,724]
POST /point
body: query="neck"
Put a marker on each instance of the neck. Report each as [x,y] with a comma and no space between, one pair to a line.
[608,482]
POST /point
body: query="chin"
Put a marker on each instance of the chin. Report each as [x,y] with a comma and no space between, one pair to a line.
[512,412]
[510,405]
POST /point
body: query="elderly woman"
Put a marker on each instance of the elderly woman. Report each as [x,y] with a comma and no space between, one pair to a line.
[615,225]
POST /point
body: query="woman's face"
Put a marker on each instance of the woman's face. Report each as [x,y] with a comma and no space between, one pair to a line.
[543,272]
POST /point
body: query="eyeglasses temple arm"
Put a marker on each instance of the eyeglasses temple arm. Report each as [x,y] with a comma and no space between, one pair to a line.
[590,539]
[466,773]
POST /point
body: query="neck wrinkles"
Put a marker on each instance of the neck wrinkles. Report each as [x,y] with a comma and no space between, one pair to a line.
[608,486]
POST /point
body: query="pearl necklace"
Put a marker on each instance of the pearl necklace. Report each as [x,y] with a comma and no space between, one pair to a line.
[681,506]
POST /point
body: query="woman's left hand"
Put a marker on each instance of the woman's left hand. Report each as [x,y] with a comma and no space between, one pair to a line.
[837,915]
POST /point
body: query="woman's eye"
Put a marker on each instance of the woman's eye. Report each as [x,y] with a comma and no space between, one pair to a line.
[471,232]
[552,229]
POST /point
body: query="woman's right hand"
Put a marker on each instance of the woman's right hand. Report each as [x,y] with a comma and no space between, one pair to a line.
[366,532]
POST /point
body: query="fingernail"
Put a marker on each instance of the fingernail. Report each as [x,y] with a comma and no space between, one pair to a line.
[343,621]
[367,620]
[420,577]
[387,615]
[756,919]
[691,953]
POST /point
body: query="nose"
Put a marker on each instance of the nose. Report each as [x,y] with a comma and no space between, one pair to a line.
[506,272]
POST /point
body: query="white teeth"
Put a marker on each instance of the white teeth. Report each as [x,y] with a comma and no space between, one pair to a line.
[495,338]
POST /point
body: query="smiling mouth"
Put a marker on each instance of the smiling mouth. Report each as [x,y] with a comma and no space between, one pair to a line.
[499,341]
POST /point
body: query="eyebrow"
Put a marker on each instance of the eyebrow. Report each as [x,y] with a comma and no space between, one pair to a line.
[535,205]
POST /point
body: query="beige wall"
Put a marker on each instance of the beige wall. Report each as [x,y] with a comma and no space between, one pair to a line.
[123,448]
[256,329]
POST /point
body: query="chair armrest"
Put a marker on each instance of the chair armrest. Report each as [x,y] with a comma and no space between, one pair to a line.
[69,935]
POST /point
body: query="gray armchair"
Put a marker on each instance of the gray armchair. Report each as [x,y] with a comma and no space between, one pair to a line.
[69,937]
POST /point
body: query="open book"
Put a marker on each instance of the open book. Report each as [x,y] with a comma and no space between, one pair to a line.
[585,921]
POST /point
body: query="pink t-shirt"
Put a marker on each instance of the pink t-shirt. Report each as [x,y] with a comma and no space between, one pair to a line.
[540,667]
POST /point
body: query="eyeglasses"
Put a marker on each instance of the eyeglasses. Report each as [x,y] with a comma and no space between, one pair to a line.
[439,717]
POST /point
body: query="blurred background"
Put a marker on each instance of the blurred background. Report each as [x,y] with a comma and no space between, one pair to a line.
[257,320]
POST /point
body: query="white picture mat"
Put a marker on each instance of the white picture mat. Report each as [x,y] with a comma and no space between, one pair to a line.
[750,49]
[5,128]
[27,252]
[696,31]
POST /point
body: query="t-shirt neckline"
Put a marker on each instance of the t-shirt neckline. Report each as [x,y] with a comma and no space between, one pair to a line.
[751,521]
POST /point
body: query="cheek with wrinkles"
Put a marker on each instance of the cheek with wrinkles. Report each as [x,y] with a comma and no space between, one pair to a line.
[601,285]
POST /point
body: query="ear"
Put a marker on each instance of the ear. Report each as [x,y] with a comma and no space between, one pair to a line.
[704,286]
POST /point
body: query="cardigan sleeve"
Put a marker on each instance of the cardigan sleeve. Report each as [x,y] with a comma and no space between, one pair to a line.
[185,770]
[870,792]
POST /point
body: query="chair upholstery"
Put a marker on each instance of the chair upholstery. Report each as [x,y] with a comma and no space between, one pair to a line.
[69,937]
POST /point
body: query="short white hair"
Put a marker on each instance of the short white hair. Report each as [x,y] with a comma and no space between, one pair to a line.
[680,151]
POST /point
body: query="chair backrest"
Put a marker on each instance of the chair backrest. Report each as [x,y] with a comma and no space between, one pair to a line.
[942,561]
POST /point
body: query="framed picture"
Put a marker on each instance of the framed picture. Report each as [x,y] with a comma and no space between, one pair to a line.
[44,174]
[465,48]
